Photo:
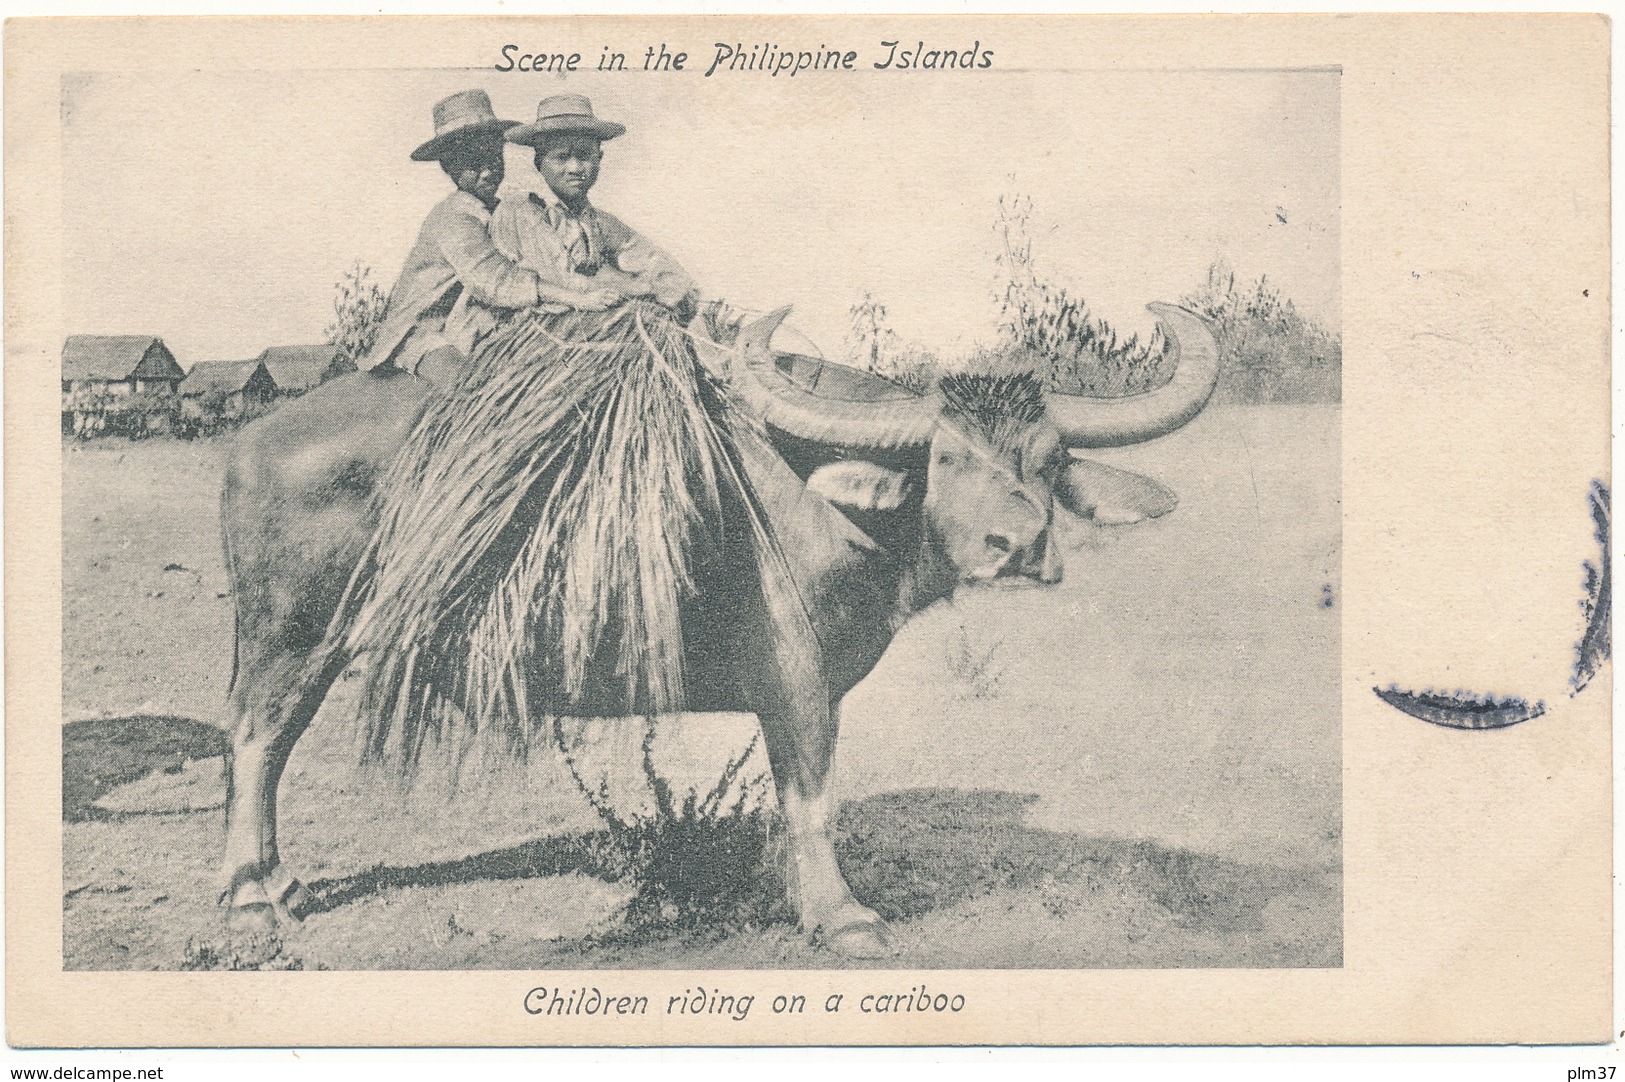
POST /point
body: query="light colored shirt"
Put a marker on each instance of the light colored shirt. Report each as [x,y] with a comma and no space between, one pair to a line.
[538,233]
[454,276]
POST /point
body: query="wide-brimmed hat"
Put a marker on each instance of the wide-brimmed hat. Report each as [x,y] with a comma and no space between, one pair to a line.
[456,118]
[564,113]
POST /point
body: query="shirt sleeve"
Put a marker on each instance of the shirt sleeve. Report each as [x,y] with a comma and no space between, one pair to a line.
[637,256]
[486,274]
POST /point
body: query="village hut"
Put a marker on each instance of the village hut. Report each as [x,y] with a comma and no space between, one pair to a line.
[227,390]
[114,374]
[297,369]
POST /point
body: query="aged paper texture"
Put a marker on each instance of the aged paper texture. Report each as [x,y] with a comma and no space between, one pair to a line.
[1150,588]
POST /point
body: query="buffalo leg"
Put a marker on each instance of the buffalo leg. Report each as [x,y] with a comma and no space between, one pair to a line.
[283,607]
[295,514]
[745,651]
[271,714]
[293,534]
[743,658]
[800,738]
[287,589]
[800,727]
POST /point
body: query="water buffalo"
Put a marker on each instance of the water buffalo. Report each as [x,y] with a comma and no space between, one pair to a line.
[884,503]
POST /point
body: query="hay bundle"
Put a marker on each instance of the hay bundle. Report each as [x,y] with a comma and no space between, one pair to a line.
[538,531]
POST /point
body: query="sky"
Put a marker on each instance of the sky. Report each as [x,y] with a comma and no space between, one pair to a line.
[217,210]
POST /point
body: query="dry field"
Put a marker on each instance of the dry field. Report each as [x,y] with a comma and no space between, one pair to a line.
[1139,767]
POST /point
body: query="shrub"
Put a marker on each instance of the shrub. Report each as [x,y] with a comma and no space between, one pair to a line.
[1268,350]
[359,306]
[135,416]
[698,866]
[253,954]
[202,427]
[1054,330]
[215,417]
[873,346]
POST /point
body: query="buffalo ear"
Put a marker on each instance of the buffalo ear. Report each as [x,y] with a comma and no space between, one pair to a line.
[1111,497]
[862,486]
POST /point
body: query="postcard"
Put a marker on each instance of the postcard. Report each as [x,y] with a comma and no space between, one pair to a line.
[808,531]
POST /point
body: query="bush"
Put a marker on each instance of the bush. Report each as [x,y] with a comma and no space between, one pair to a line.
[205,426]
[359,307]
[698,866]
[1268,350]
[214,418]
[1054,330]
[136,416]
[253,954]
[873,346]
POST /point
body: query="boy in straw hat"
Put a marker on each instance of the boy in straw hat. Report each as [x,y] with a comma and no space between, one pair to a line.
[559,233]
[454,277]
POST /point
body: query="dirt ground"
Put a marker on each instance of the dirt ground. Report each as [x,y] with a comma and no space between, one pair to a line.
[1139,767]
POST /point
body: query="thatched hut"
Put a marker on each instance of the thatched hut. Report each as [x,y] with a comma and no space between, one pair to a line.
[298,369]
[227,390]
[106,374]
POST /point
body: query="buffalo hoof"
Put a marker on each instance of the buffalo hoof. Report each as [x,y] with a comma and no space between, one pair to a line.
[259,905]
[291,898]
[861,939]
[251,921]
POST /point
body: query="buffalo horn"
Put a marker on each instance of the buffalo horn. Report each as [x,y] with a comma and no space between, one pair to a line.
[1115,422]
[790,407]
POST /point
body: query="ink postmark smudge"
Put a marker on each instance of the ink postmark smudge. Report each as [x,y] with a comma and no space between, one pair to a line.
[1459,710]
[1596,643]
[1464,710]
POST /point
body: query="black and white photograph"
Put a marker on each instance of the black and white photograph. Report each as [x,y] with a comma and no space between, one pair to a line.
[578,604]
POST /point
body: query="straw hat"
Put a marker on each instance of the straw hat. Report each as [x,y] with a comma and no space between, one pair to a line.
[564,113]
[457,117]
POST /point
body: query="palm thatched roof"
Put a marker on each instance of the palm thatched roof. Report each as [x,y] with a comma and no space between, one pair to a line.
[115,357]
[543,527]
[226,377]
[300,368]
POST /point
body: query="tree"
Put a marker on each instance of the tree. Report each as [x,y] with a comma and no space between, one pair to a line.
[870,341]
[358,307]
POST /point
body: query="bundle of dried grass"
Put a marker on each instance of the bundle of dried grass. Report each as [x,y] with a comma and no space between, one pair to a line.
[537,531]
